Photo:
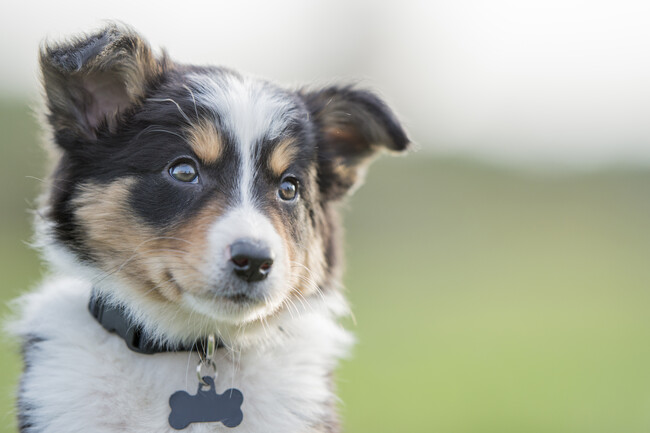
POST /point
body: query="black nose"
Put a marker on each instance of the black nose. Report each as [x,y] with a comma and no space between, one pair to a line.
[251,261]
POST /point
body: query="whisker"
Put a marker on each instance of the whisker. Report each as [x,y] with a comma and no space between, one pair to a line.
[302,298]
[289,300]
[158,286]
[285,305]
[139,258]
[168,132]
[155,128]
[136,252]
[193,100]
[49,183]
[309,281]
[187,119]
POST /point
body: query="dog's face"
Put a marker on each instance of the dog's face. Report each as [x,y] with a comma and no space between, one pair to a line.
[197,187]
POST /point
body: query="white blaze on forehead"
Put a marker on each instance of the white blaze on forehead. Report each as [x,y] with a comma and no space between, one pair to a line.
[249,111]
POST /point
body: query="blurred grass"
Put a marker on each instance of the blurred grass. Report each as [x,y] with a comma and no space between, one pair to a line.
[21,157]
[486,299]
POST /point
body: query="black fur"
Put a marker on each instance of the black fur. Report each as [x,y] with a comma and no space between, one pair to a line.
[147,136]
[365,124]
[136,127]
[25,409]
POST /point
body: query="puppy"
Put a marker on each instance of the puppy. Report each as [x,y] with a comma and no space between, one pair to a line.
[190,221]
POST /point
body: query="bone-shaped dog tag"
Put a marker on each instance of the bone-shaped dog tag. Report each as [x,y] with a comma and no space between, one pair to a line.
[206,406]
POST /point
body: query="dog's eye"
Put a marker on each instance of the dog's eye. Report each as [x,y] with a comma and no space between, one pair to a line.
[184,172]
[288,188]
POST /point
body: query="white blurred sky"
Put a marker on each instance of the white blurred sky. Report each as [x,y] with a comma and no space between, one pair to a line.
[558,81]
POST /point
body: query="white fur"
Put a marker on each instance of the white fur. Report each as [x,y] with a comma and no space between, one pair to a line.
[81,378]
[251,110]
[242,222]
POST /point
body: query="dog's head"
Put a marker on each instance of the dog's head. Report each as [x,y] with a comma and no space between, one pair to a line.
[197,189]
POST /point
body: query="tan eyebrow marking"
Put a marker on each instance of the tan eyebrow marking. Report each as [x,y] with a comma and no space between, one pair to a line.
[205,140]
[282,156]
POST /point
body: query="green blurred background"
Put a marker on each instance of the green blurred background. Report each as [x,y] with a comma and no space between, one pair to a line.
[487,299]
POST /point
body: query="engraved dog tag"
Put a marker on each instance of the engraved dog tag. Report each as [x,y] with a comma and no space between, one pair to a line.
[206,406]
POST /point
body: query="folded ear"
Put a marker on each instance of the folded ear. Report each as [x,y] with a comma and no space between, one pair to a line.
[352,127]
[90,79]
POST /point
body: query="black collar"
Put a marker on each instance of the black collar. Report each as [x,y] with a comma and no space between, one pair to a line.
[115,319]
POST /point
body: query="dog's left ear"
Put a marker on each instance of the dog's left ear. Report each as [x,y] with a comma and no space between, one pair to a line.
[89,80]
[352,127]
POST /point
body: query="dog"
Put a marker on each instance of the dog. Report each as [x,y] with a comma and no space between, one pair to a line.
[191,224]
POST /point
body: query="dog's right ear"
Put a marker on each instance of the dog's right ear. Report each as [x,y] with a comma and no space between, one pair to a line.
[352,127]
[89,80]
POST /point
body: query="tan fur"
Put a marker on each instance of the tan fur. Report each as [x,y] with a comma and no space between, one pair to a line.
[193,238]
[166,264]
[306,262]
[205,141]
[104,213]
[121,243]
[309,270]
[282,156]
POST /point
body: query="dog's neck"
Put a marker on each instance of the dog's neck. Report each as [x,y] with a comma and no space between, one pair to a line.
[114,318]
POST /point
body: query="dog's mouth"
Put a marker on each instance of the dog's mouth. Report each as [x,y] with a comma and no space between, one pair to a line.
[233,308]
[240,298]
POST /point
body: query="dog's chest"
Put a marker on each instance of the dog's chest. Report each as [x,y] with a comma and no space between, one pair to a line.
[80,378]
